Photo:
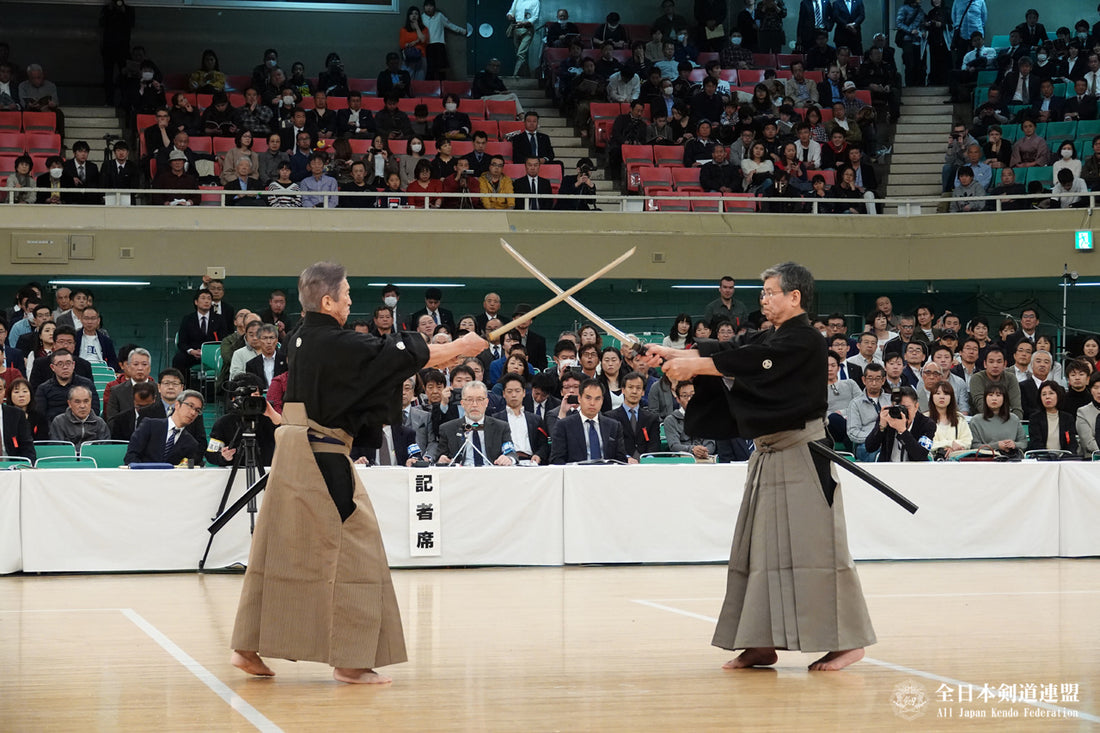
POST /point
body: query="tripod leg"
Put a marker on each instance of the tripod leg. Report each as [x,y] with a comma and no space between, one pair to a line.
[237,459]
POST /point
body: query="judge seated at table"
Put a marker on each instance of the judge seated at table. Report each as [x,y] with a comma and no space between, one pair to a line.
[166,440]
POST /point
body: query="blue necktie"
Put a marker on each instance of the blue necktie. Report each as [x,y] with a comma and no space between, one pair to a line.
[478,460]
[594,452]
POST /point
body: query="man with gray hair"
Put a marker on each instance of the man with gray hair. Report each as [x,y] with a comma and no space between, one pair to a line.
[38,94]
[165,439]
[317,528]
[490,439]
[791,583]
[78,423]
[1041,365]
[120,398]
[270,362]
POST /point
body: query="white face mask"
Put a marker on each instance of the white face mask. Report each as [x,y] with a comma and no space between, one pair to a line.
[563,21]
[288,101]
[272,63]
[735,41]
[55,173]
[416,147]
[1082,36]
[1067,154]
[667,91]
[1042,58]
[450,106]
[389,301]
[146,76]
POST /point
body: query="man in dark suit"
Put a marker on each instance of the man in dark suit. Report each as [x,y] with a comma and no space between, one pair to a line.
[1048,107]
[18,439]
[166,440]
[84,174]
[354,122]
[490,307]
[63,338]
[321,118]
[53,188]
[530,142]
[393,79]
[586,434]
[535,343]
[123,423]
[541,401]
[1020,87]
[399,448]
[529,433]
[181,142]
[1081,105]
[270,362]
[490,439]
[242,190]
[292,127]
[121,173]
[533,183]
[641,428]
[170,384]
[813,16]
[197,329]
[849,24]
[432,298]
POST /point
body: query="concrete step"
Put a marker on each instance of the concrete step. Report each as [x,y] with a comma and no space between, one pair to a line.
[922,125]
[71,112]
[916,148]
[911,169]
[911,92]
[106,123]
[922,138]
[916,189]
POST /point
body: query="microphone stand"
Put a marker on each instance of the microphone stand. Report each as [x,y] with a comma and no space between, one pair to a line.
[468,445]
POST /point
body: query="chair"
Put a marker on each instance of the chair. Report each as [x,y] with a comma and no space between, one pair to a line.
[707,201]
[666,457]
[1011,133]
[668,155]
[784,60]
[374,104]
[749,76]
[603,116]
[829,174]
[729,75]
[783,74]
[43,143]
[425,88]
[236,99]
[337,103]
[40,122]
[8,463]
[553,172]
[656,177]
[13,144]
[460,148]
[986,78]
[686,180]
[1059,131]
[1083,147]
[739,202]
[11,121]
[634,158]
[1088,128]
[507,128]
[705,57]
[658,204]
[237,82]
[489,127]
[764,61]
[223,145]
[515,170]
[865,95]
[999,42]
[499,148]
[52,448]
[7,165]
[210,199]
[816,76]
[366,86]
[697,75]
[359,147]
[1043,174]
[202,101]
[106,453]
[461,88]
[210,363]
[500,109]
[202,144]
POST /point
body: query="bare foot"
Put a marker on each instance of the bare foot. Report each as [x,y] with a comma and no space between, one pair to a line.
[250,662]
[359,676]
[833,661]
[752,658]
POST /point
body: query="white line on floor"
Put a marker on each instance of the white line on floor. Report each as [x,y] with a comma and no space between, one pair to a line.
[1077,714]
[917,595]
[235,701]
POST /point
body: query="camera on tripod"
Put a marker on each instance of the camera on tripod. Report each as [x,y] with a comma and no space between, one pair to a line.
[243,399]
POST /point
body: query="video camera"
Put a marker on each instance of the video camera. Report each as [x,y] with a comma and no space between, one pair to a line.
[242,398]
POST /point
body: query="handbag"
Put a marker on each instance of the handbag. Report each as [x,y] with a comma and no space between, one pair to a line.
[413,54]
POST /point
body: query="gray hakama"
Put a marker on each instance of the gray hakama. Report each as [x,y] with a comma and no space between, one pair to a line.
[797,588]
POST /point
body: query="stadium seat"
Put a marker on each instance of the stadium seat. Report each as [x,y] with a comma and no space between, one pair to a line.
[43,144]
[603,118]
[1088,128]
[749,76]
[739,202]
[460,148]
[12,144]
[500,109]
[489,127]
[784,60]
[8,463]
[729,75]
[508,128]
[40,122]
[365,86]
[764,60]
[705,57]
[65,462]
[655,177]
[1043,174]
[374,104]
[697,75]
[686,179]
[668,155]
[337,103]
[50,448]
[1011,133]
[237,82]
[515,170]
[657,204]
[1056,132]
[105,453]
[634,158]
[461,88]
[11,121]
[499,148]
[425,88]
[708,201]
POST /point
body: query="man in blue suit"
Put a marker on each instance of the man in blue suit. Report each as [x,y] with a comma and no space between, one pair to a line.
[586,434]
[166,440]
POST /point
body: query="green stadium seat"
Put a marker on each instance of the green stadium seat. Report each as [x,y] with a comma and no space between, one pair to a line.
[1056,132]
[1042,174]
[51,448]
[666,458]
[8,463]
[1083,146]
[106,453]
[1088,128]
[65,462]
[1012,133]
[986,78]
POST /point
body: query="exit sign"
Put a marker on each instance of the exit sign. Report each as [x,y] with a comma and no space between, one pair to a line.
[1083,241]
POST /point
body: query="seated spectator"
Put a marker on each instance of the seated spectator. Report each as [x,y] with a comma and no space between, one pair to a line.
[1080,105]
[272,83]
[460,183]
[846,195]
[332,80]
[93,344]
[184,116]
[242,151]
[902,437]
[318,182]
[613,32]
[292,128]
[1050,427]
[835,154]
[624,86]
[1030,150]
[994,425]
[821,56]
[9,89]
[425,185]
[18,433]
[778,197]
[285,193]
[952,429]
[168,440]
[181,143]
[1069,192]
[1090,169]
[159,136]
[355,122]
[576,186]
[979,58]
[495,188]
[841,393]
[864,412]
[707,104]
[487,84]
[21,185]
[585,89]
[881,78]
[53,394]
[391,122]
[679,336]
[864,180]
[735,54]
[393,195]
[393,79]
[208,78]
[267,163]
[561,33]
[451,123]
[533,183]
[144,93]
[357,184]
[51,184]
[1066,158]
[219,119]
[175,177]
[718,174]
[966,189]
[585,434]
[678,440]
[490,445]
[254,115]
[406,164]
[321,118]
[800,91]
[1087,414]
[241,190]
[77,424]
[21,396]
[1009,187]
[997,151]
[757,170]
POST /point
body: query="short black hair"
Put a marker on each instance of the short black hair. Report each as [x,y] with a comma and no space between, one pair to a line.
[591,383]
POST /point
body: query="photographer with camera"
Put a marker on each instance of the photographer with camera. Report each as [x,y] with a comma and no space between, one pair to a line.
[955,157]
[902,432]
[573,187]
[246,405]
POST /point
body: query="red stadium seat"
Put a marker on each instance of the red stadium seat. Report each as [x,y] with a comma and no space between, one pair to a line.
[706,57]
[509,127]
[686,179]
[202,101]
[500,109]
[237,82]
[515,170]
[764,60]
[201,144]
[709,201]
[259,144]
[359,147]
[374,104]
[603,118]
[489,127]
[816,76]
[784,60]
[668,155]
[39,144]
[697,75]
[739,202]
[499,148]
[749,76]
[461,88]
[337,103]
[366,86]
[11,121]
[39,122]
[668,204]
[636,157]
[654,178]
[425,89]
[460,148]
[729,75]
[236,99]
[12,143]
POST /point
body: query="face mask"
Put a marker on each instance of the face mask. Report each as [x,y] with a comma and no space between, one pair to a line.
[682,38]
[288,100]
[563,22]
[667,91]
[146,76]
[389,301]
[272,63]
[1042,58]
[735,41]
[55,173]
[612,27]
[450,106]
[416,147]
[1067,154]
[1082,36]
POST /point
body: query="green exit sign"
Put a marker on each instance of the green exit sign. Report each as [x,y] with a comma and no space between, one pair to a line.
[1083,241]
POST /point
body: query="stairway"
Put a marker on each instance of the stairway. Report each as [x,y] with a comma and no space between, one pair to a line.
[919,143]
[90,124]
[568,146]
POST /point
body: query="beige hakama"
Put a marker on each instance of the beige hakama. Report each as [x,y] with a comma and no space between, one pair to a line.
[316,589]
[791,582]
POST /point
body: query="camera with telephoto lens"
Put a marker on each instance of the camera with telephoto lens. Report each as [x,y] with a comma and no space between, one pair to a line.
[896,411]
[242,398]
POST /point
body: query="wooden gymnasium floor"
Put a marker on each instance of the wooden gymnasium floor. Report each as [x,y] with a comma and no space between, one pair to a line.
[573,649]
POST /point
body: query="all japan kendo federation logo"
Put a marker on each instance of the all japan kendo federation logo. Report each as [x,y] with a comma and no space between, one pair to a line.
[909,699]
[767,364]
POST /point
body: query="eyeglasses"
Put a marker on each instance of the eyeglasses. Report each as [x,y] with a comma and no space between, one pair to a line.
[171,383]
[873,379]
[766,294]
[475,400]
[191,406]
